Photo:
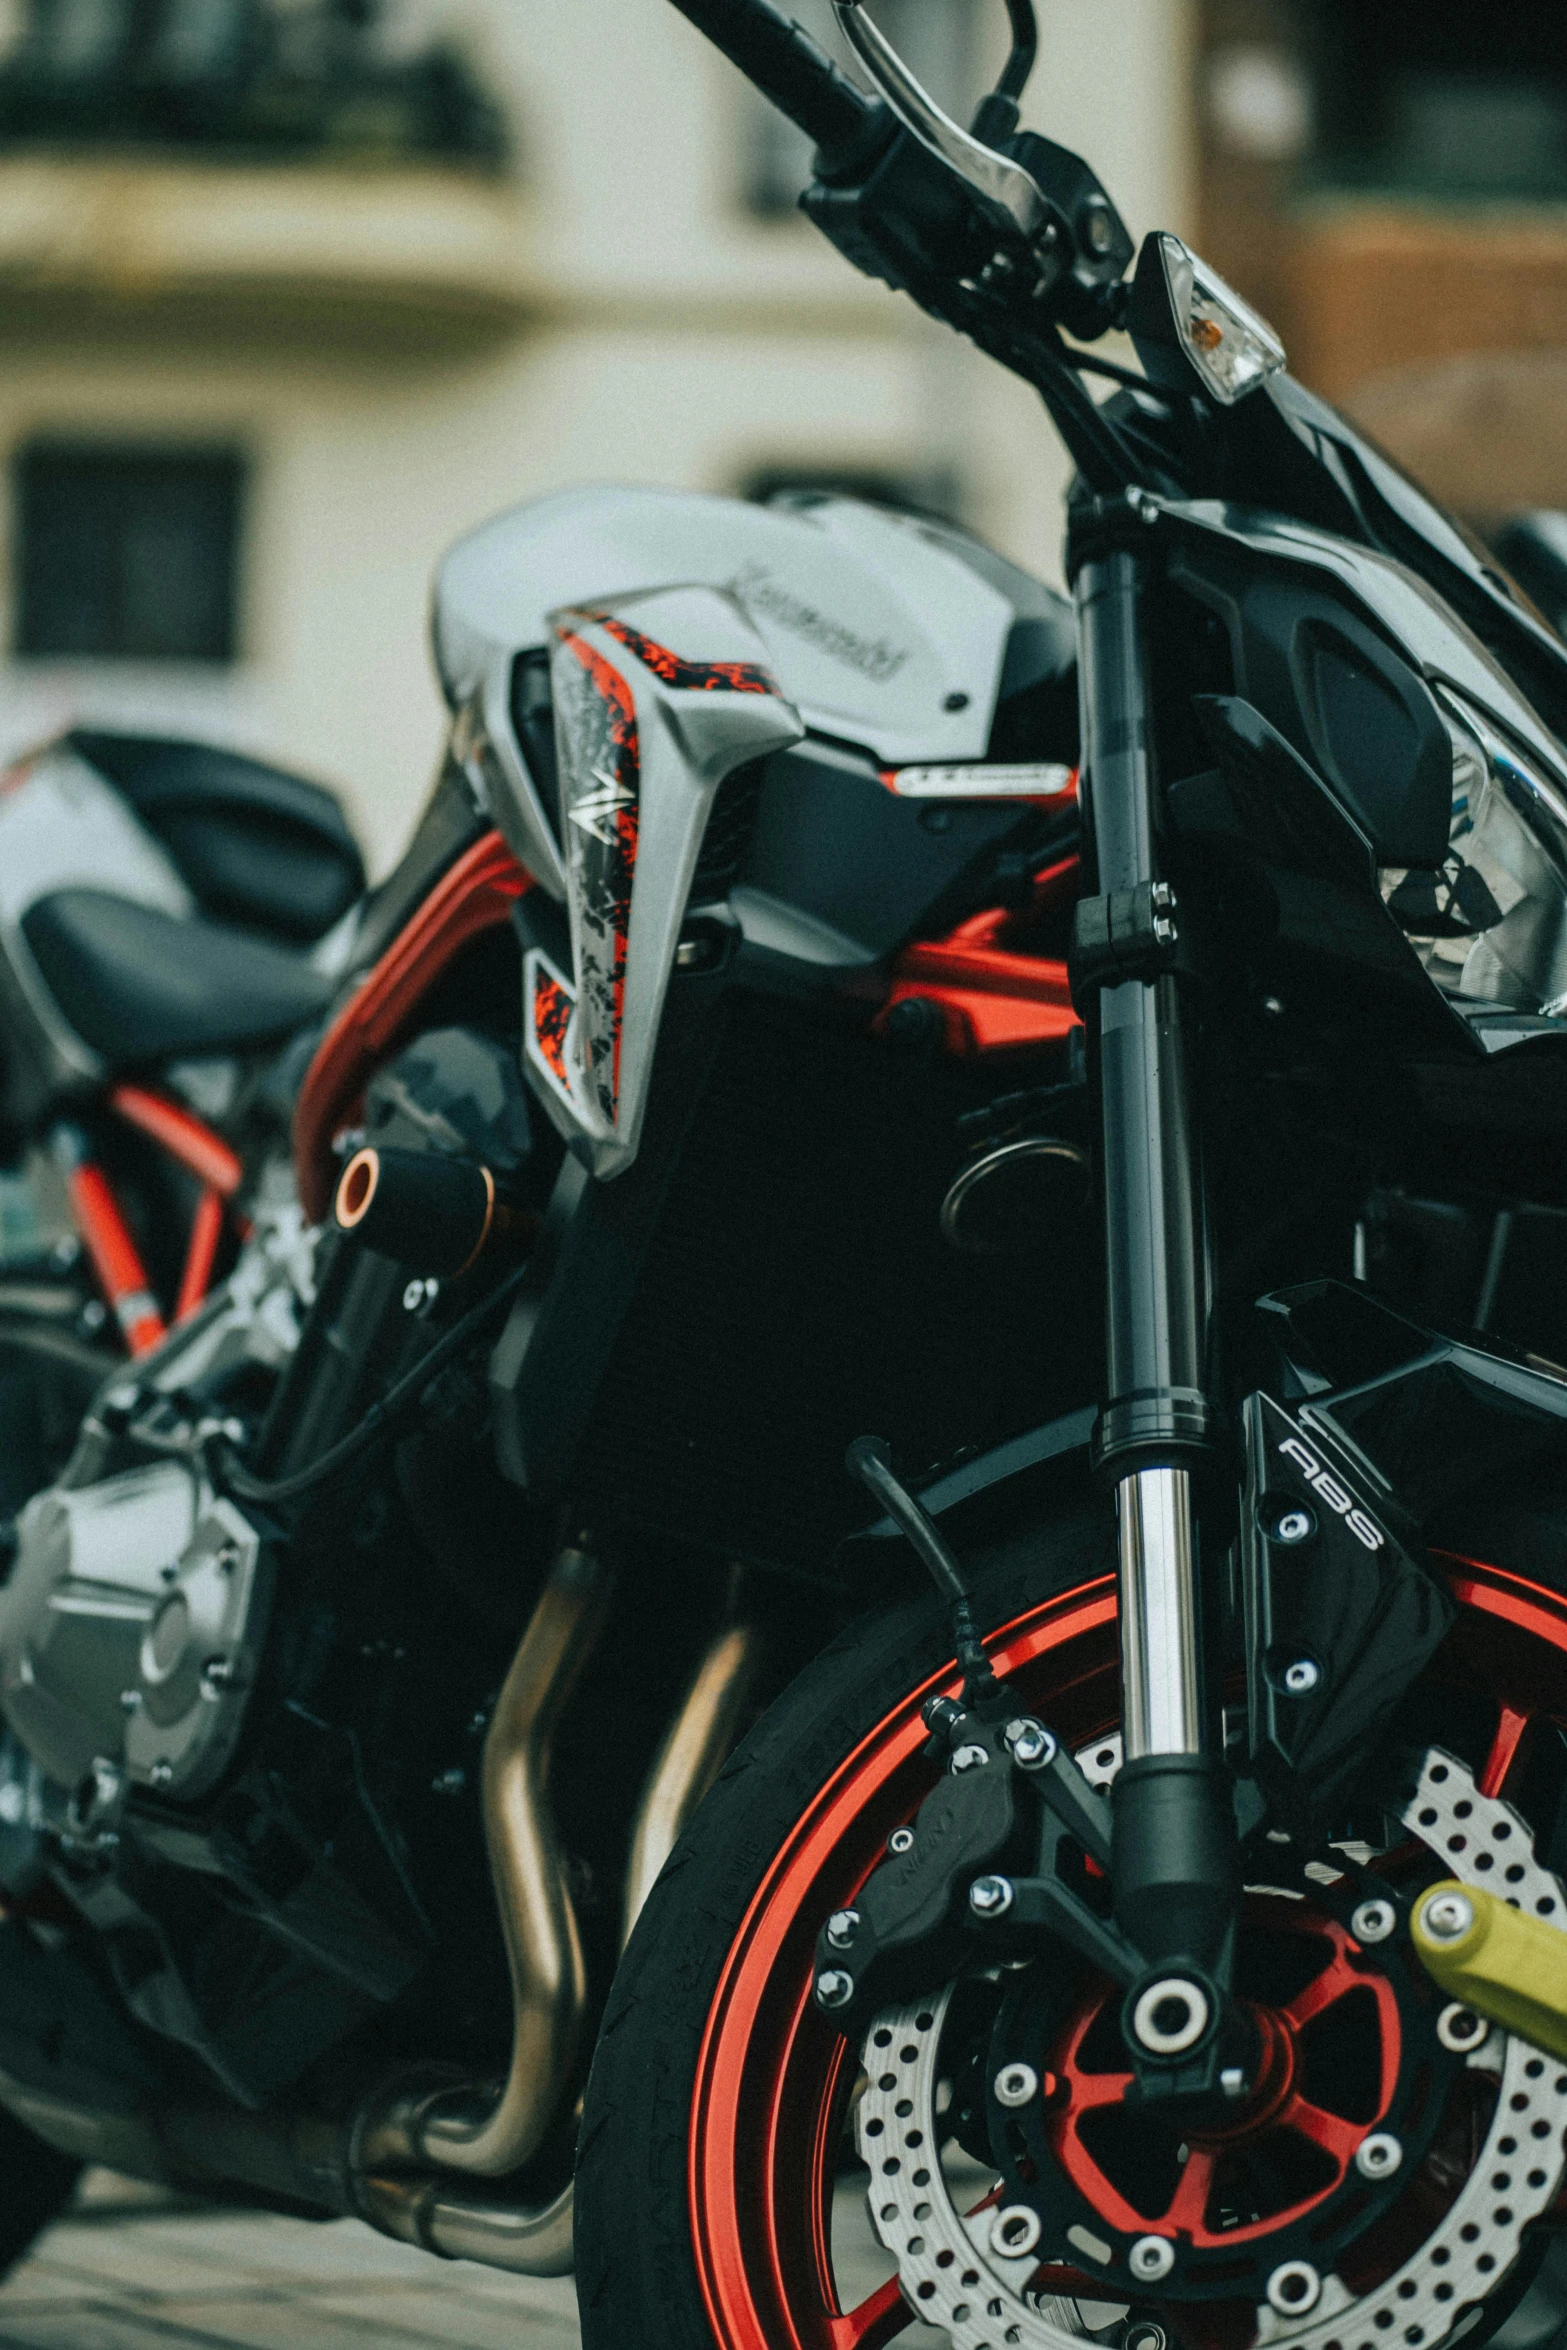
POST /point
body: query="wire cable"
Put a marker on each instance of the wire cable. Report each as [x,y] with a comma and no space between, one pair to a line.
[230,1477]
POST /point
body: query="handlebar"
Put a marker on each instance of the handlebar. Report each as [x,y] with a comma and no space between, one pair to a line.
[787,67]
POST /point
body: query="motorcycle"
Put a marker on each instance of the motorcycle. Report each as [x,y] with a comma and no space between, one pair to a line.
[875,1504]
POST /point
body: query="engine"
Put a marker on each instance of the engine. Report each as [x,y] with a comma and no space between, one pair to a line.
[243,1743]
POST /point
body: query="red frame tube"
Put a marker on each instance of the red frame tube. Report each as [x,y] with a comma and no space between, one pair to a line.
[206,1232]
[474,895]
[191,1144]
[115,1257]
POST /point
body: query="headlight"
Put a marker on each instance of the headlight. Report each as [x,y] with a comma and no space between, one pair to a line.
[1491,926]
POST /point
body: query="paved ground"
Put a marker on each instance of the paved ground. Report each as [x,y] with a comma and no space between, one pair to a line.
[123,2273]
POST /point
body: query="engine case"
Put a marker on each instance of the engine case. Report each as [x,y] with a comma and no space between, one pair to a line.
[130,1631]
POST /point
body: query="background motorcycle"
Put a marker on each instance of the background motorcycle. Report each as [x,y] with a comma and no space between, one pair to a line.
[759,851]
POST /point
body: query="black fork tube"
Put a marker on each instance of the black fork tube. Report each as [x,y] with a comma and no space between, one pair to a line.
[1173,1863]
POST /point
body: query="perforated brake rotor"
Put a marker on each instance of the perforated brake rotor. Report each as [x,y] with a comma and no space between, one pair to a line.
[953,2277]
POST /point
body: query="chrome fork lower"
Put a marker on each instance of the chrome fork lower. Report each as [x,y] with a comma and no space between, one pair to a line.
[1160,1683]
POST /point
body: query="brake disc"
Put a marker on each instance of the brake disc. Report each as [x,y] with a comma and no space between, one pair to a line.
[955,2274]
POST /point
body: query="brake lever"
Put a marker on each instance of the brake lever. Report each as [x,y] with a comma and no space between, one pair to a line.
[993,177]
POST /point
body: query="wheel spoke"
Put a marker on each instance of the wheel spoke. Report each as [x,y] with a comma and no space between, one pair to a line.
[1090,2090]
[878,2318]
[1510,1730]
[1330,2131]
[1319,1994]
[1190,2203]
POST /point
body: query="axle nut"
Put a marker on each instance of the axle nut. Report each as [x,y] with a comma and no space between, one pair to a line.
[1151,2258]
[1170,2016]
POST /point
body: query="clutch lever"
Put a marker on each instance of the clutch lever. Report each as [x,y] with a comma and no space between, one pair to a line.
[994,178]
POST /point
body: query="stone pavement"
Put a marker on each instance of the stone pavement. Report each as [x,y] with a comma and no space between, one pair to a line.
[128,2271]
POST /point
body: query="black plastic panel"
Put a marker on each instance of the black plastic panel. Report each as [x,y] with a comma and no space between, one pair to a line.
[1339,694]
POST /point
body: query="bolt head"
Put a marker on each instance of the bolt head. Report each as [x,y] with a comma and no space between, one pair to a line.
[970,1758]
[1294,2287]
[1151,2258]
[901,1840]
[842,1927]
[1014,2231]
[1374,1921]
[1030,1744]
[1293,1525]
[1447,1917]
[1378,2156]
[1233,2081]
[1302,1676]
[990,1897]
[834,1988]
[130,1701]
[1016,2085]
[1460,2029]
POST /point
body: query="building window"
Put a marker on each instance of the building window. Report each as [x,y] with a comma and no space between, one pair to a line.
[123,554]
[936,37]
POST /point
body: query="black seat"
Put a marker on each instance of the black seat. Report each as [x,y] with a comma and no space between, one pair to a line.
[140,986]
[252,843]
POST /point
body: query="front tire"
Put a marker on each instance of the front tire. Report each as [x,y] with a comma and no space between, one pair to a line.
[685,2240]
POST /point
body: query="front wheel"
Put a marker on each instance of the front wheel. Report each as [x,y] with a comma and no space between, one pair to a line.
[748,2180]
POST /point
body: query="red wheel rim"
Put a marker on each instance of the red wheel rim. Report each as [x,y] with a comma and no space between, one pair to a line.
[773,2078]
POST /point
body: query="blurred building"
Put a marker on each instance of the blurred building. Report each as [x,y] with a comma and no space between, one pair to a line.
[1389,183]
[294,291]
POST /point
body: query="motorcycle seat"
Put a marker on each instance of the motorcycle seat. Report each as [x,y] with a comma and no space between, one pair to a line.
[252,843]
[139,985]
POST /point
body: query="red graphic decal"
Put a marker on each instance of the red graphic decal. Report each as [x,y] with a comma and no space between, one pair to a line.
[691,677]
[552,1010]
[603,811]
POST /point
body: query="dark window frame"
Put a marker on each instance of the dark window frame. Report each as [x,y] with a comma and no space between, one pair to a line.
[127,551]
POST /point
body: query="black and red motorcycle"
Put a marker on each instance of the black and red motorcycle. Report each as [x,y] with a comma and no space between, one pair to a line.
[871,1075]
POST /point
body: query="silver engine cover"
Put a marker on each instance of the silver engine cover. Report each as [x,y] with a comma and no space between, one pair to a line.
[129,1631]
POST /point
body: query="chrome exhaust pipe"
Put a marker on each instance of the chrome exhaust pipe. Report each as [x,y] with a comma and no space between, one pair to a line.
[392,2163]
[692,1755]
[471,2130]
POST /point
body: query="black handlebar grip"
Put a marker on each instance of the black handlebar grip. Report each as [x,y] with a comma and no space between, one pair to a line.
[787,67]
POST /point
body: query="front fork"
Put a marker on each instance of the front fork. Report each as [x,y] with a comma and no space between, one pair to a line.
[1174,1871]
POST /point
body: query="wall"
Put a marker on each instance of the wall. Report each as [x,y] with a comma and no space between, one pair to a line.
[666,339]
